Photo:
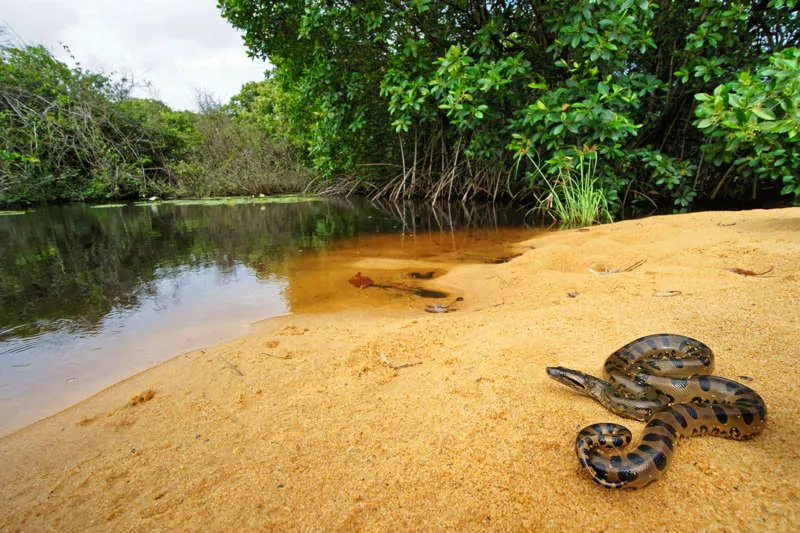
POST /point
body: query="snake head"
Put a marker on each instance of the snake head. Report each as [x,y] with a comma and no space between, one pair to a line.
[573,379]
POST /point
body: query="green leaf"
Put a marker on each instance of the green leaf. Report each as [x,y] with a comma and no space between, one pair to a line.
[762,113]
[734,100]
[705,123]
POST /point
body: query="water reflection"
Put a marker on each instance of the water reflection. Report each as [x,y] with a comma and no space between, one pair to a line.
[91,296]
[78,264]
[183,310]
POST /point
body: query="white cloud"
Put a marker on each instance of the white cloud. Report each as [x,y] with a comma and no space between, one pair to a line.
[179,46]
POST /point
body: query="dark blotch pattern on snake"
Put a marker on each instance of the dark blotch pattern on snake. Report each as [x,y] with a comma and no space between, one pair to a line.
[662,380]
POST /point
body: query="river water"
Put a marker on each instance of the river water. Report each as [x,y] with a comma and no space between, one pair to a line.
[90,295]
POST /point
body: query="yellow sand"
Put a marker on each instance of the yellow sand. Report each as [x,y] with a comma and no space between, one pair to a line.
[302,426]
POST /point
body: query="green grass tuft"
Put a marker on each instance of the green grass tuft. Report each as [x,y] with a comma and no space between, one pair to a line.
[573,197]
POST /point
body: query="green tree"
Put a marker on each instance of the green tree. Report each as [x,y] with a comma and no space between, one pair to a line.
[235,154]
[753,125]
[441,98]
[67,134]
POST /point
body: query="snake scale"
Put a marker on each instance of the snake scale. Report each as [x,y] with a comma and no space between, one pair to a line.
[662,380]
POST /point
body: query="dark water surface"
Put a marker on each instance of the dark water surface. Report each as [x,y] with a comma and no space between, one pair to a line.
[90,296]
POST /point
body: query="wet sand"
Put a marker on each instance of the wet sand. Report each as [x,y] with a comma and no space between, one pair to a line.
[302,425]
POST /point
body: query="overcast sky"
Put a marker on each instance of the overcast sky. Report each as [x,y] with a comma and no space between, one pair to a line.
[179,46]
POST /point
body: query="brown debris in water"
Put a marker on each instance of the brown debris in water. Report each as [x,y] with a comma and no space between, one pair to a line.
[362,282]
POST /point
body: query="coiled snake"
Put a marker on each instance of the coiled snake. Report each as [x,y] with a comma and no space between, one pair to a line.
[663,380]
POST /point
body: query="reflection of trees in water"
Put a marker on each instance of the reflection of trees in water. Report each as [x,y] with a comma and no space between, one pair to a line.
[74,264]
[419,218]
[78,263]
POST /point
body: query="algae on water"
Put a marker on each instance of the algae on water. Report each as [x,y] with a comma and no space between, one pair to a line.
[107,206]
[237,200]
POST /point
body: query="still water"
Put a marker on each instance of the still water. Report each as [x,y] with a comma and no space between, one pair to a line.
[90,296]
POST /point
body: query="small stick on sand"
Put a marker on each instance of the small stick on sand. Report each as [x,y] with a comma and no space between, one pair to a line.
[666,293]
[231,365]
[634,266]
[385,360]
[489,306]
[276,356]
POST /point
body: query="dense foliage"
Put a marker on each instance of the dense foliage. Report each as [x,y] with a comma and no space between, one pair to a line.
[678,100]
[70,134]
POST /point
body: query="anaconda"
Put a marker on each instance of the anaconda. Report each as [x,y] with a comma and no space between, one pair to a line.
[665,381]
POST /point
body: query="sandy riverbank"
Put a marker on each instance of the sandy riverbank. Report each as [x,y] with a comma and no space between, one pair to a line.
[301,426]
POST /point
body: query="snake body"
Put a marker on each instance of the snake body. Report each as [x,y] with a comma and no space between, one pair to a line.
[663,380]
